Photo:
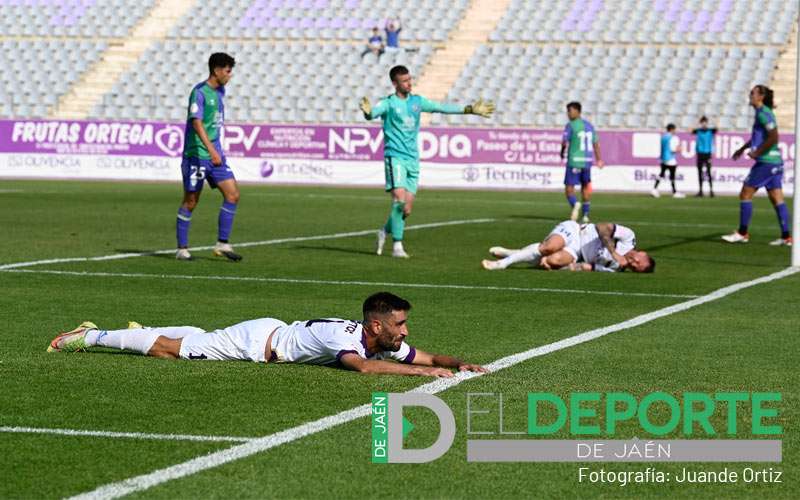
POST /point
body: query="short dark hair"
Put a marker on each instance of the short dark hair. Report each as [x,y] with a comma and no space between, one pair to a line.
[397,71]
[670,127]
[652,267]
[703,119]
[220,60]
[384,303]
[574,105]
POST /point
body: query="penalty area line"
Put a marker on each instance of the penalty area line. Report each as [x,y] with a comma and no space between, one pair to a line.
[215,459]
[100,274]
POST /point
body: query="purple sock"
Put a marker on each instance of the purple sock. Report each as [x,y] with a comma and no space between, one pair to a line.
[783,219]
[183,223]
[572,200]
[745,214]
[586,206]
[226,214]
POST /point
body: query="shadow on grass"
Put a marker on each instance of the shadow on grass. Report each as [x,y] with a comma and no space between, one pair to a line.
[712,238]
[685,259]
[537,217]
[170,256]
[335,249]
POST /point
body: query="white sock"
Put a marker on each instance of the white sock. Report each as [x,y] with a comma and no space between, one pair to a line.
[528,254]
[398,246]
[139,339]
[176,332]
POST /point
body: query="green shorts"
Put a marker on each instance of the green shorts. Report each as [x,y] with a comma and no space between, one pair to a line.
[401,173]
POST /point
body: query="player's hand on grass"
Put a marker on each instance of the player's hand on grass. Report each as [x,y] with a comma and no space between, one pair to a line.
[435,371]
[467,367]
[216,159]
[545,264]
[480,108]
[365,106]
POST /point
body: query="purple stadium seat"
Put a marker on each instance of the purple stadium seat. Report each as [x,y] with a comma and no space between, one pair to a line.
[701,21]
[685,22]
[585,24]
[581,15]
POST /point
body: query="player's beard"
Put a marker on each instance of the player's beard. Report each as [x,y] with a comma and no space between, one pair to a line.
[392,344]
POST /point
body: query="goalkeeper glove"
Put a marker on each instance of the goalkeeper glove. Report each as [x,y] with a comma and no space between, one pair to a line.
[480,108]
[365,106]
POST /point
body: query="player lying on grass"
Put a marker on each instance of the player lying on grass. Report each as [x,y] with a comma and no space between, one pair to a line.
[588,247]
[360,346]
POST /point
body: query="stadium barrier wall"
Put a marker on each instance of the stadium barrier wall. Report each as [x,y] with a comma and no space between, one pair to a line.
[481,158]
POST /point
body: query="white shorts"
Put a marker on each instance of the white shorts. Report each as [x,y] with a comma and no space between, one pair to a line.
[571,232]
[244,341]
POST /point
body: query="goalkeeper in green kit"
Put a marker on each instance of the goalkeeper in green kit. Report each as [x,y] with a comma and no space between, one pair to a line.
[400,113]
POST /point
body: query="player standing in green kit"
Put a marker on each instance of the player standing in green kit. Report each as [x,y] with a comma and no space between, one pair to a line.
[204,160]
[401,113]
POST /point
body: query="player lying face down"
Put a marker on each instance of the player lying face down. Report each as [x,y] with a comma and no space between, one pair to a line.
[375,345]
[589,247]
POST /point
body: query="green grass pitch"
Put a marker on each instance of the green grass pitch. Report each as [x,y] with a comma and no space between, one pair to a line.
[747,341]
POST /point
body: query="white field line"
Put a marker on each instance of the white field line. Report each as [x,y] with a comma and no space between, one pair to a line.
[528,203]
[215,459]
[346,283]
[125,435]
[350,234]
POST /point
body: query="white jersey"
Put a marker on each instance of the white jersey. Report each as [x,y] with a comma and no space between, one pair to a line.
[594,252]
[325,341]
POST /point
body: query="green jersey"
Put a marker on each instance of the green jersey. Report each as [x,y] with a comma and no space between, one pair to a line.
[764,124]
[205,104]
[581,136]
[401,122]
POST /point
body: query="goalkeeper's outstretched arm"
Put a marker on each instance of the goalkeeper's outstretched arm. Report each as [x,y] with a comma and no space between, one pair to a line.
[479,107]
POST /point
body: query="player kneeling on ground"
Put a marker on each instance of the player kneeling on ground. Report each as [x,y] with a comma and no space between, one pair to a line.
[588,247]
[360,346]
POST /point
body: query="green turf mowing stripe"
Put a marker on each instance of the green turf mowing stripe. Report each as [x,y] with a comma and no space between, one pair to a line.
[125,435]
[348,283]
[277,241]
[146,481]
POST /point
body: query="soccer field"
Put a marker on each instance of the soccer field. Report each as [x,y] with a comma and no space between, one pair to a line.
[308,253]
